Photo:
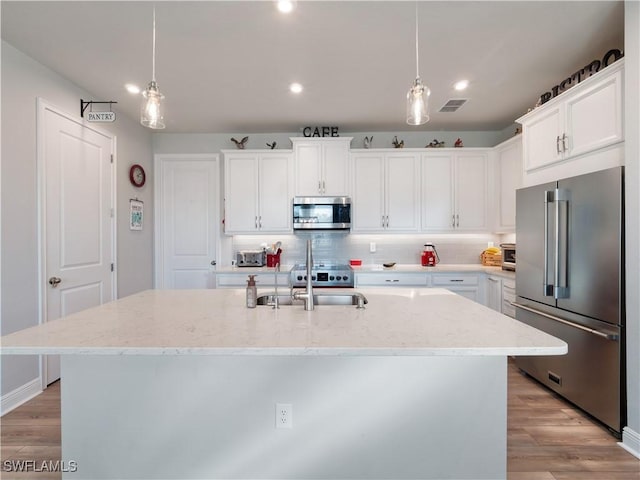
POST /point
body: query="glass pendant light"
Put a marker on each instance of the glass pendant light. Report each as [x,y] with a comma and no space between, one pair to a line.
[152,111]
[418,96]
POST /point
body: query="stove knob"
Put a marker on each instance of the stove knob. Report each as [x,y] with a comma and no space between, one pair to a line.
[345,278]
[338,277]
[299,277]
[332,278]
[305,278]
[313,277]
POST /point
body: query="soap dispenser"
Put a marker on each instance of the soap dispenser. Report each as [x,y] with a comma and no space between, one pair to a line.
[252,292]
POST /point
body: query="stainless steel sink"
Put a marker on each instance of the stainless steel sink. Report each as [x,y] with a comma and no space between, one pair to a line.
[318,299]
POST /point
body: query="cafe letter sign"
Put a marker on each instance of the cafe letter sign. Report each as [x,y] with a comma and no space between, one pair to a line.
[100,117]
[320,132]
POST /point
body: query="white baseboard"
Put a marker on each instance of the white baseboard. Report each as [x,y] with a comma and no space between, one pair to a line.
[20,395]
[630,441]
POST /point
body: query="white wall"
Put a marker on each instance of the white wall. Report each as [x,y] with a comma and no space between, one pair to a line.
[631,435]
[23,80]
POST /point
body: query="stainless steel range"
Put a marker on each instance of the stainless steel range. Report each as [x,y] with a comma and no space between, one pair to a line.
[323,275]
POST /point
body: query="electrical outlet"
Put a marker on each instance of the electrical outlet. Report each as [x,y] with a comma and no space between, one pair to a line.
[372,247]
[284,415]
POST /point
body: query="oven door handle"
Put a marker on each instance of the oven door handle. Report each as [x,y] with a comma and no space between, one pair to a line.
[608,336]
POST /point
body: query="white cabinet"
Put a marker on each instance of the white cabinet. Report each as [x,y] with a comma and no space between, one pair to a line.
[494,293]
[321,166]
[391,279]
[467,285]
[508,178]
[508,297]
[263,279]
[258,191]
[582,120]
[386,191]
[454,191]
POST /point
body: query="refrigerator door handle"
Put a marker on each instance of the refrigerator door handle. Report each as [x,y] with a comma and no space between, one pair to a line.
[608,336]
[547,288]
[561,288]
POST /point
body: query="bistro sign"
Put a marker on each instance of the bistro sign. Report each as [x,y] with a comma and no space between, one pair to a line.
[582,74]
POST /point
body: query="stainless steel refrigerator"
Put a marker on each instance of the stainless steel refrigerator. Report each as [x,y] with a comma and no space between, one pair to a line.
[570,284]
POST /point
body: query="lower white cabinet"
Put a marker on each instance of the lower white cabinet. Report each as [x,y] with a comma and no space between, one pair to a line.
[494,293]
[263,280]
[508,296]
[467,285]
[391,279]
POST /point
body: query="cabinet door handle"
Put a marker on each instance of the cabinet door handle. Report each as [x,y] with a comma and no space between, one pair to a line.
[456,280]
[260,221]
[558,144]
[256,221]
[382,221]
[453,221]
[457,220]
[564,142]
[324,187]
[395,280]
[387,221]
[319,186]
[495,280]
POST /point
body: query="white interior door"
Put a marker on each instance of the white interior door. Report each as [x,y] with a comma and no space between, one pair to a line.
[187,213]
[78,228]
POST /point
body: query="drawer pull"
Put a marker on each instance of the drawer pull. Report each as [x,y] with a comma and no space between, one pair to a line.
[456,280]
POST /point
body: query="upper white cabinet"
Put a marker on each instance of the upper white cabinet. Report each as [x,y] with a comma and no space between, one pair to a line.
[454,191]
[321,166]
[583,120]
[386,191]
[508,177]
[258,191]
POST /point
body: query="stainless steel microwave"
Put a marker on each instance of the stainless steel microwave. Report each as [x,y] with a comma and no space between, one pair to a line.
[321,213]
[508,256]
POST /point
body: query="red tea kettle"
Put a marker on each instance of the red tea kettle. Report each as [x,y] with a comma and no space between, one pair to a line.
[429,255]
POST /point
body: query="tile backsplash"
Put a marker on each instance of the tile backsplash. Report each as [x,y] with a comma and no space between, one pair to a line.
[338,247]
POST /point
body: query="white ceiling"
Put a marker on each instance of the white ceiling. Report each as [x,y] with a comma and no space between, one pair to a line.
[225,66]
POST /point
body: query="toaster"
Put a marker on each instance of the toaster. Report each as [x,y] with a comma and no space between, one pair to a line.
[251,258]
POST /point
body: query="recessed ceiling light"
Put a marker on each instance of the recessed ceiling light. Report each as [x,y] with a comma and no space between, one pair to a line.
[133,89]
[285,6]
[295,88]
[461,85]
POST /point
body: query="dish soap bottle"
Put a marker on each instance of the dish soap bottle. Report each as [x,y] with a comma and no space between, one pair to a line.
[252,292]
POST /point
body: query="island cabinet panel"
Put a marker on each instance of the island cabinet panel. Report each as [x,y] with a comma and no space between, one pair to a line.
[577,132]
[494,293]
[322,166]
[258,191]
[386,192]
[356,417]
[455,191]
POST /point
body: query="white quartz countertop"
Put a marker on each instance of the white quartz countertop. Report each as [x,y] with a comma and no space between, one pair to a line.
[396,321]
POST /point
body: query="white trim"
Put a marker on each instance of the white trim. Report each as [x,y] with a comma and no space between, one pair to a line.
[630,441]
[42,106]
[158,207]
[20,395]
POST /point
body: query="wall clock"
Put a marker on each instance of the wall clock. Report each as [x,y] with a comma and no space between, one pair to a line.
[137,175]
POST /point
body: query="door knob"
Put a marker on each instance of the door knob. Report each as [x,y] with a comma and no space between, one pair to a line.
[213,262]
[54,281]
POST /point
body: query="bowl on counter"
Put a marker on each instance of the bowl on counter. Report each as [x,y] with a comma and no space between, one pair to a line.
[355,262]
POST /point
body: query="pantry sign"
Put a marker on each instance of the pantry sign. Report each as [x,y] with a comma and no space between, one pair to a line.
[101,116]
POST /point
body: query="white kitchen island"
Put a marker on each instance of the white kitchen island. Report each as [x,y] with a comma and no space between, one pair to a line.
[184,384]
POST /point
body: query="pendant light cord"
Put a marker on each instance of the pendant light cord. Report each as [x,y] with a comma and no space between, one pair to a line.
[153,60]
[417,61]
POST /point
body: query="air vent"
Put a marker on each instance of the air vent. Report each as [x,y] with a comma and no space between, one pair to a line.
[453,105]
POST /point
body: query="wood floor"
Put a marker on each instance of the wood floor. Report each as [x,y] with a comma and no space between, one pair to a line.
[548,439]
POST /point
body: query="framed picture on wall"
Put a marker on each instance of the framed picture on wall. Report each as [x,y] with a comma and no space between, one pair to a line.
[136,214]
